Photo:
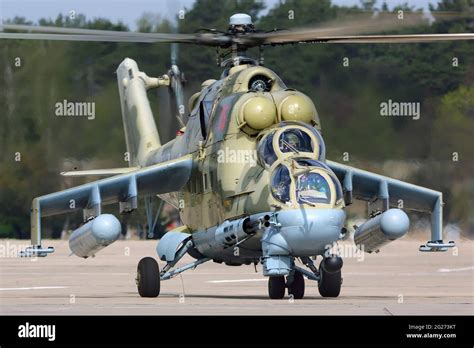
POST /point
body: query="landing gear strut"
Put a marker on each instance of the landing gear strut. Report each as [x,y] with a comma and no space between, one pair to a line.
[328,277]
[149,275]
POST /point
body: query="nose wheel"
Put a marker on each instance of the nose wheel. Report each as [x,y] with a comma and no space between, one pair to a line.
[296,287]
[329,278]
[276,287]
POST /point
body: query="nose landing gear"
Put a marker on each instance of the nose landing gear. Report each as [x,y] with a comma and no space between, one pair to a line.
[276,287]
[328,276]
[294,283]
[296,286]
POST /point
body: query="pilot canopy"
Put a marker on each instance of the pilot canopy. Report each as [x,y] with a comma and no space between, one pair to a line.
[290,139]
[294,154]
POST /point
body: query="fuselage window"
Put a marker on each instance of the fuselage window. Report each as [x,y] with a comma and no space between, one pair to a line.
[281,183]
[205,109]
[220,120]
[295,140]
[335,180]
[266,151]
[313,188]
[203,120]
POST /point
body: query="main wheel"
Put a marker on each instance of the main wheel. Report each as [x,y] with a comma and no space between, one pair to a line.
[296,288]
[329,284]
[148,277]
[276,287]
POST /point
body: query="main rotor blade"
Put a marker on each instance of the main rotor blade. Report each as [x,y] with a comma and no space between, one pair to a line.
[351,27]
[75,34]
[347,31]
[413,38]
[80,31]
[309,38]
[64,30]
[69,37]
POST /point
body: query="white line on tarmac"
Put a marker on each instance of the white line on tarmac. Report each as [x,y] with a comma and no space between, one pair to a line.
[35,288]
[237,280]
[456,269]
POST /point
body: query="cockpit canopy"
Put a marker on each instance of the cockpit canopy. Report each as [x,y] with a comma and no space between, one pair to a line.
[312,188]
[288,140]
[294,153]
[308,182]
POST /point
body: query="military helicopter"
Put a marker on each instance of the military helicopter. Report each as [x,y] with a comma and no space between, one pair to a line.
[247,170]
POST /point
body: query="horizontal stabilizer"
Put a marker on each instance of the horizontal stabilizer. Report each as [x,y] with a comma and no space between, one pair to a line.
[100,172]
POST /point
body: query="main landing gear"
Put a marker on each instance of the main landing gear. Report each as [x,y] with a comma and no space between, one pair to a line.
[149,275]
[330,284]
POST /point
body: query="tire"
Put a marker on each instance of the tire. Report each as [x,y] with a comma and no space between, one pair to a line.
[329,284]
[276,287]
[297,287]
[148,277]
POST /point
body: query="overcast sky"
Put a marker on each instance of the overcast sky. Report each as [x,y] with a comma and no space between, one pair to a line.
[128,10]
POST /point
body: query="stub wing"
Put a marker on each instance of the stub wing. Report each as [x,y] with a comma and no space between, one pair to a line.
[368,186]
[124,189]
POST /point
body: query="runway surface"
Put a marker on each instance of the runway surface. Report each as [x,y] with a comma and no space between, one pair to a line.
[399,280]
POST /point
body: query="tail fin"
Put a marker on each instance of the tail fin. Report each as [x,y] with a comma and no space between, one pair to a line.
[140,129]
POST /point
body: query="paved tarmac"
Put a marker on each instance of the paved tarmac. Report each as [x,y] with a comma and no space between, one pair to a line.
[399,280]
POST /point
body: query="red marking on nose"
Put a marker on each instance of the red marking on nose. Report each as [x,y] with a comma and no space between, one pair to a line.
[223,116]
